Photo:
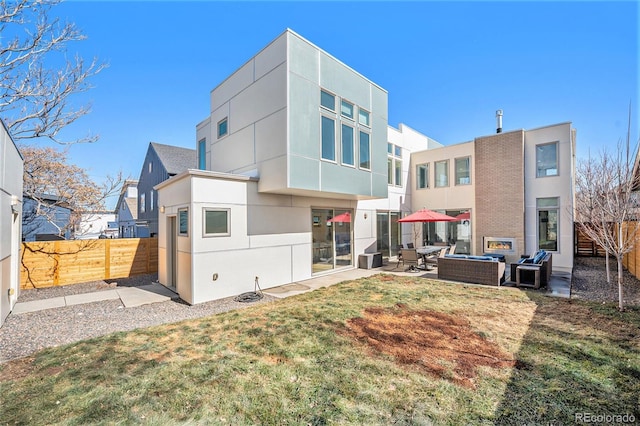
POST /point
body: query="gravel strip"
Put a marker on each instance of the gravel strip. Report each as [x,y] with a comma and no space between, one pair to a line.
[589,282]
[24,334]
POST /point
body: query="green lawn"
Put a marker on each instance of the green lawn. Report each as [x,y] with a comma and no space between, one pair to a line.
[380,350]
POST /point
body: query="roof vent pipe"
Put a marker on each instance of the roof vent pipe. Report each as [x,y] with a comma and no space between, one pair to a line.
[499,121]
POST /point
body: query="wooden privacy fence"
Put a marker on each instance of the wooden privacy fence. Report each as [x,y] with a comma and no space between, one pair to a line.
[55,263]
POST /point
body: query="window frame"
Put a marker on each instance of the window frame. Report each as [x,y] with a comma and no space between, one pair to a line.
[334,100]
[548,208]
[181,211]
[335,151]
[425,166]
[224,121]
[397,171]
[436,182]
[143,202]
[205,234]
[342,145]
[557,154]
[455,166]
[368,167]
[367,114]
[344,102]
[202,154]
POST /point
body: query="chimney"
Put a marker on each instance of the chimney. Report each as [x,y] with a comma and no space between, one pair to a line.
[499,121]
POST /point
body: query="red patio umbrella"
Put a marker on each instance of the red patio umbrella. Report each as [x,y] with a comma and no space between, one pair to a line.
[344,217]
[464,216]
[426,215]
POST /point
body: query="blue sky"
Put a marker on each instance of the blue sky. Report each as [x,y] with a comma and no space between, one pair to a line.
[448,66]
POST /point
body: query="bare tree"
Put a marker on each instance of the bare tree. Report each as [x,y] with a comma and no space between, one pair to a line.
[605,202]
[52,185]
[37,78]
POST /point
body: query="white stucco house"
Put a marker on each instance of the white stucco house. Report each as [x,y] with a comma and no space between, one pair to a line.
[296,138]
[11,169]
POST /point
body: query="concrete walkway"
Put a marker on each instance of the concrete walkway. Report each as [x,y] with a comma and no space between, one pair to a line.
[559,286]
[130,297]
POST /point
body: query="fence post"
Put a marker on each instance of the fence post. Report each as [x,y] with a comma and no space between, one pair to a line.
[107,259]
[56,263]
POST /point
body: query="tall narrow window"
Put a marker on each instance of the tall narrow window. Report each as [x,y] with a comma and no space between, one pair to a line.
[463,171]
[328,139]
[547,159]
[347,146]
[365,151]
[422,176]
[548,209]
[398,172]
[151,200]
[442,173]
[390,171]
[222,127]
[183,222]
[202,154]
[143,204]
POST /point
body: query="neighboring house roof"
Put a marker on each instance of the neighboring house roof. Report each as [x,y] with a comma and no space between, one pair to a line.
[174,158]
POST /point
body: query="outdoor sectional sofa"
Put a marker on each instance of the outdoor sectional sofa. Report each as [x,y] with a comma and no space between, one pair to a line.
[471,269]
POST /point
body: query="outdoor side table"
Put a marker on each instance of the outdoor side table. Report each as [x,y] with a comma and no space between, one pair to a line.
[536,271]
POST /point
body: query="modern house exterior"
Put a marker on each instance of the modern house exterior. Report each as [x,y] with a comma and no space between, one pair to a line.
[161,162]
[127,212]
[11,170]
[299,173]
[46,219]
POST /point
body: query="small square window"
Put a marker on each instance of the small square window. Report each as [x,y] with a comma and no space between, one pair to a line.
[222,127]
[346,109]
[327,100]
[363,117]
[397,151]
[183,222]
[216,222]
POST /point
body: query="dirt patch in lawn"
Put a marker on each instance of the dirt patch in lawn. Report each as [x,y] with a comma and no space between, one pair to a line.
[441,344]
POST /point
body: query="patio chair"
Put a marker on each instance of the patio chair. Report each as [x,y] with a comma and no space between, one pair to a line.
[410,245]
[410,257]
[452,249]
[433,259]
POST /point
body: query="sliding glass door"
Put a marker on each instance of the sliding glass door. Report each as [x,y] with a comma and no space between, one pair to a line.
[332,239]
[388,234]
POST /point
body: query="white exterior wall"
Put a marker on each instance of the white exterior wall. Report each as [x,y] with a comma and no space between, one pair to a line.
[561,186]
[11,170]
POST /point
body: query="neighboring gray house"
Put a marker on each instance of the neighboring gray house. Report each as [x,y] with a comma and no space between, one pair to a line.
[11,169]
[127,212]
[160,163]
[46,218]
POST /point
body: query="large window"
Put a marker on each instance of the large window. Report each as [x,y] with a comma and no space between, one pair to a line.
[547,159]
[222,127]
[442,173]
[202,154]
[328,139]
[216,222]
[463,171]
[339,115]
[347,146]
[548,209]
[365,151]
[422,176]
